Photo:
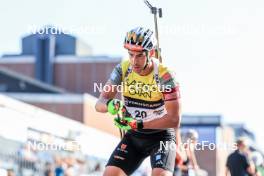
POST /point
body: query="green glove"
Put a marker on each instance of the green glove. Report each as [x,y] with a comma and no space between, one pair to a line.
[128,123]
[114,106]
[123,123]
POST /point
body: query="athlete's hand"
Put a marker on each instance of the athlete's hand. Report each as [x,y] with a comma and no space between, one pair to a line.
[128,123]
[114,106]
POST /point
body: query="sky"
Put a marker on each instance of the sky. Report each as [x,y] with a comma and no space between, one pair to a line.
[215,47]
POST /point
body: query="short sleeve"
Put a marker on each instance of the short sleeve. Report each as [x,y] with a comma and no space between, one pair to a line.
[170,86]
[116,75]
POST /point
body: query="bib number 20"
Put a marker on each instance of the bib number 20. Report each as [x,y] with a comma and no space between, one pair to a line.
[141,114]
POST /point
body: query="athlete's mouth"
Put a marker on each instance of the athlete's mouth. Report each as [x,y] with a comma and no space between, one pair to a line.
[136,66]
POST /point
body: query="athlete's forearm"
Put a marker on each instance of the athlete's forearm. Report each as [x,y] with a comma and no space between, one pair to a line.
[165,122]
[100,105]
[170,120]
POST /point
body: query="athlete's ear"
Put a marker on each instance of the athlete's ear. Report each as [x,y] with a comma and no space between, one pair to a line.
[152,53]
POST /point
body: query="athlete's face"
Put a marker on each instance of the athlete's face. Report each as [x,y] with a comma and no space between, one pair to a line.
[138,60]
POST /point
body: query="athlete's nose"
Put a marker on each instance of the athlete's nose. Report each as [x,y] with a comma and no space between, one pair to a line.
[134,60]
